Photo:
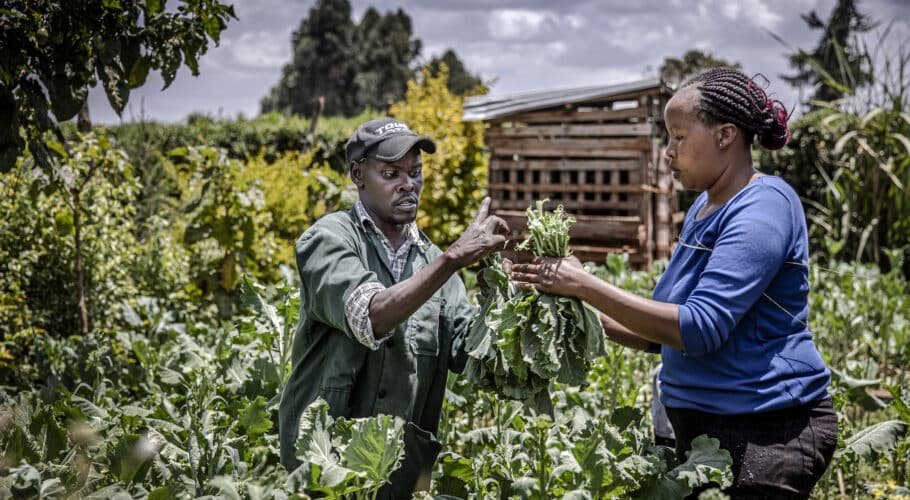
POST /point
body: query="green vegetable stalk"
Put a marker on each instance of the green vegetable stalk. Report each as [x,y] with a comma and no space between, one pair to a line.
[524,340]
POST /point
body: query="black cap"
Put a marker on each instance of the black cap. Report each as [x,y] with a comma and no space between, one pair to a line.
[385,139]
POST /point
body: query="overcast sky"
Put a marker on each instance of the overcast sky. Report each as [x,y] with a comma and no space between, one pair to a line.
[518,44]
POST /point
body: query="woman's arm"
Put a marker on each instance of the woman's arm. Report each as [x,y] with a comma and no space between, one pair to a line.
[648,319]
[622,335]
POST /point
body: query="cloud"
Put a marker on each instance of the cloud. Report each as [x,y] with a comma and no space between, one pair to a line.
[521,24]
[524,44]
[261,49]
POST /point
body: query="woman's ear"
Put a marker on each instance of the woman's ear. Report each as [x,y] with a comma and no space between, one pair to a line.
[726,135]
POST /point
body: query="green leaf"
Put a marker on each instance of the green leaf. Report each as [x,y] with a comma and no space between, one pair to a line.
[226,486]
[139,73]
[376,447]
[164,492]
[153,7]
[898,403]
[875,439]
[705,463]
[113,76]
[839,145]
[255,418]
[856,388]
[131,457]
[66,99]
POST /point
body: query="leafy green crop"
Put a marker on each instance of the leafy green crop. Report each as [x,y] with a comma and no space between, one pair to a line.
[523,340]
[346,458]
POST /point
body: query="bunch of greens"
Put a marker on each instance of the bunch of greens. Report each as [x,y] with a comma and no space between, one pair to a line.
[523,340]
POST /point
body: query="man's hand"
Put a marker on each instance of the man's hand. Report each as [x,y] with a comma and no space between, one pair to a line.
[486,234]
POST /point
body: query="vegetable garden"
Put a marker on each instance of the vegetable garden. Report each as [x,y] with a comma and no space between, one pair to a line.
[148,301]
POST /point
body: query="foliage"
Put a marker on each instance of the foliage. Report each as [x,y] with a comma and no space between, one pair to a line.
[675,71]
[37,253]
[65,47]
[837,53]
[461,81]
[168,405]
[523,340]
[587,451]
[297,191]
[224,223]
[354,67]
[346,458]
[323,64]
[181,411]
[455,175]
[850,160]
[385,50]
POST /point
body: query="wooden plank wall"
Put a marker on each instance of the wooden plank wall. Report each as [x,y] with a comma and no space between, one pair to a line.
[600,161]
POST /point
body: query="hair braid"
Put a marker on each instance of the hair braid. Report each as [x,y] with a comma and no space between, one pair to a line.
[728,95]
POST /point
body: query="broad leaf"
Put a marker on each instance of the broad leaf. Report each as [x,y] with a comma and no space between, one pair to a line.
[875,439]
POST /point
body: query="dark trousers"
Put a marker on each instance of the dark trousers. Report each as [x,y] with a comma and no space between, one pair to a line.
[777,454]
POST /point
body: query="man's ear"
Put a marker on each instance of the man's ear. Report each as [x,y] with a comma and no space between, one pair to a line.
[726,134]
[357,173]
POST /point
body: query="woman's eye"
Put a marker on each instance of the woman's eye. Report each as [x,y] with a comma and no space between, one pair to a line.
[677,137]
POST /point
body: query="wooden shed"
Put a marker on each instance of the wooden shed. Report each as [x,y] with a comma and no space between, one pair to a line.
[595,150]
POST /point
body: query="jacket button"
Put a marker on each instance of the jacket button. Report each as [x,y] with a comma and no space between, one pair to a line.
[381,393]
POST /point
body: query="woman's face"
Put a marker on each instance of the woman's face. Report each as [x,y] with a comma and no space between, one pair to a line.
[692,153]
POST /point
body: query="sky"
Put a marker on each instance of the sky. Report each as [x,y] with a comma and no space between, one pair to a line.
[518,45]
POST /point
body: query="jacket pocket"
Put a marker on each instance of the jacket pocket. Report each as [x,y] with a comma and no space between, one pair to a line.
[423,328]
[339,400]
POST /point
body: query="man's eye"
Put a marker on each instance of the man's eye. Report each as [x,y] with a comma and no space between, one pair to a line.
[415,173]
[388,174]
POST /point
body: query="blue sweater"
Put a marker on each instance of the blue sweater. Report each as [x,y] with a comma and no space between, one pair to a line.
[740,277]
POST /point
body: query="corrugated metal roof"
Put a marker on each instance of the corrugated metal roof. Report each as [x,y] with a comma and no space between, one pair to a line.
[487,107]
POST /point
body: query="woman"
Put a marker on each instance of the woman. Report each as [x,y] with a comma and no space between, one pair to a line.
[730,313]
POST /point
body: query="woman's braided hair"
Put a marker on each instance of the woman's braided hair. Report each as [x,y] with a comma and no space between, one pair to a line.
[729,96]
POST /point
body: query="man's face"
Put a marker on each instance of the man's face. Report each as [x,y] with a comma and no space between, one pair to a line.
[390,191]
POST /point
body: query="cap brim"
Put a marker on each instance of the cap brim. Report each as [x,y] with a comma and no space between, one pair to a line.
[394,148]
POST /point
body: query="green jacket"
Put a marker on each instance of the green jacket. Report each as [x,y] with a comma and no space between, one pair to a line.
[405,377]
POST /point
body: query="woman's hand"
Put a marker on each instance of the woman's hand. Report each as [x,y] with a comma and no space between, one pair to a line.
[565,276]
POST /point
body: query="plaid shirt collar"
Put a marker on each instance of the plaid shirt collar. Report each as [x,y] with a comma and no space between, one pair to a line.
[399,257]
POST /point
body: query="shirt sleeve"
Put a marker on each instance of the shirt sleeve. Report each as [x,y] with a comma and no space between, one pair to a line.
[749,251]
[357,313]
[331,271]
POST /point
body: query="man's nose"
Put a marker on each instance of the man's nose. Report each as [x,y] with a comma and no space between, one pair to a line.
[407,184]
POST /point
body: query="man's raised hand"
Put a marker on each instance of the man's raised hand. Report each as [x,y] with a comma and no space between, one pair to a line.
[487,233]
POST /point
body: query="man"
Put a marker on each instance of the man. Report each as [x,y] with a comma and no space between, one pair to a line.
[383,314]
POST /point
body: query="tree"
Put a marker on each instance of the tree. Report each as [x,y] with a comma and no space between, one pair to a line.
[675,71]
[461,81]
[54,50]
[385,50]
[355,67]
[322,65]
[837,64]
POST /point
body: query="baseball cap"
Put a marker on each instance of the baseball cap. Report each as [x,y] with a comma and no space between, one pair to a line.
[385,139]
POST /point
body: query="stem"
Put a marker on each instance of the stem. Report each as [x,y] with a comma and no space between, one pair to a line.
[541,462]
[80,278]
[840,483]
